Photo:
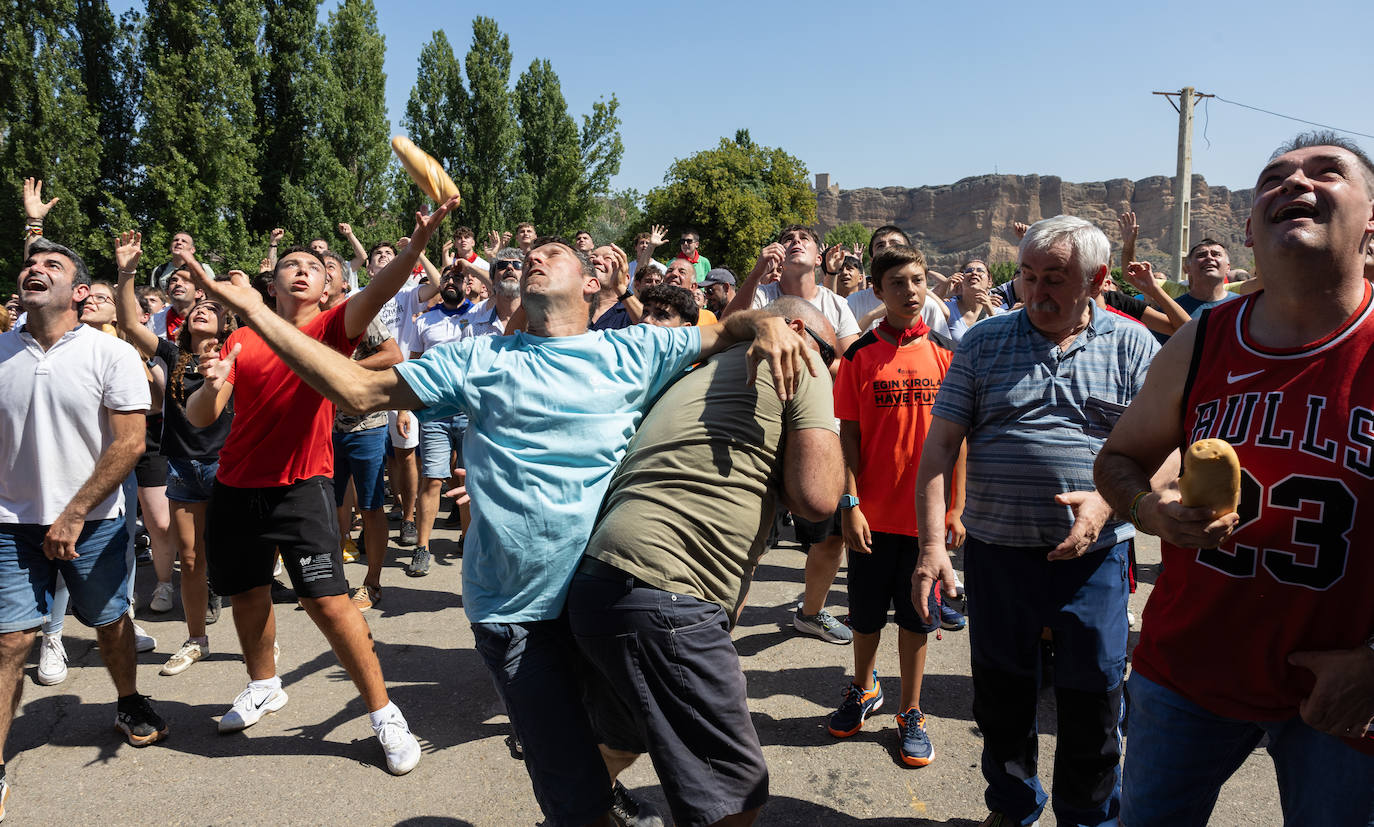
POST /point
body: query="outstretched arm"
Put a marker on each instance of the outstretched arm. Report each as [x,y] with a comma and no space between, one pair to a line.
[769,261]
[128,250]
[774,342]
[385,284]
[35,210]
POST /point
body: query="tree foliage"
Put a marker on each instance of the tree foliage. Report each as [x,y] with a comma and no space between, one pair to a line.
[737,195]
[848,233]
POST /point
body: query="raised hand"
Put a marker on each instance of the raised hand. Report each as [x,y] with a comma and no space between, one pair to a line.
[858,251]
[1140,275]
[427,223]
[216,367]
[276,235]
[345,229]
[128,250]
[506,237]
[237,294]
[34,208]
[834,259]
[1129,227]
[1020,228]
[620,269]
[769,266]
[658,235]
[447,251]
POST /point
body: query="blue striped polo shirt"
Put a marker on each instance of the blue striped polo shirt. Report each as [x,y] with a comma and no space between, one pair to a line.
[1036,417]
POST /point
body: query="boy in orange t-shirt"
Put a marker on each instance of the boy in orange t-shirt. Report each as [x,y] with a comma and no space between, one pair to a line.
[883,395]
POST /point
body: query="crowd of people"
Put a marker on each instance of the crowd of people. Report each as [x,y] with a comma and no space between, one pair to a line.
[621,439]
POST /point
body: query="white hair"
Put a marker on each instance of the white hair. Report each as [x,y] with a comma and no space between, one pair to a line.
[1087,244]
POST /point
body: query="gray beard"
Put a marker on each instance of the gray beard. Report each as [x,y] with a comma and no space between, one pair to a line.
[508,289]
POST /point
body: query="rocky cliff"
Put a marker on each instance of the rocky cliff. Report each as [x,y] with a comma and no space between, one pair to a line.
[973,217]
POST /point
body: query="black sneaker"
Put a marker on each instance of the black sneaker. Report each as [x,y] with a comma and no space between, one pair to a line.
[419,562]
[212,606]
[455,518]
[409,534]
[627,811]
[139,723]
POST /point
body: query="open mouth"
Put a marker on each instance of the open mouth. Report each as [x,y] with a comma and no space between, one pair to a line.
[34,285]
[1293,211]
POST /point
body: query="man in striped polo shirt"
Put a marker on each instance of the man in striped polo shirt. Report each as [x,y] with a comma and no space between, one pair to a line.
[1036,393]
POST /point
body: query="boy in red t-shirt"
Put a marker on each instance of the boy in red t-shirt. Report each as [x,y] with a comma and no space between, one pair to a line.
[886,385]
[274,487]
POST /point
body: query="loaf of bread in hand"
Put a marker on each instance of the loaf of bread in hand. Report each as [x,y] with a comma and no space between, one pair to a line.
[1211,477]
[426,172]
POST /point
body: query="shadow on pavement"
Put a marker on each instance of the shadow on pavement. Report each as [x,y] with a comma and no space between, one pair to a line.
[783,810]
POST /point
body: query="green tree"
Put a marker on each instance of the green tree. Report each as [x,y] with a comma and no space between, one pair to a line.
[199,120]
[550,151]
[737,195]
[437,107]
[848,233]
[617,219]
[1001,271]
[287,115]
[495,196]
[48,129]
[113,76]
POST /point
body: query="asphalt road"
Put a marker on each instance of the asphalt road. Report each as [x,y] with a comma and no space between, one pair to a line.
[316,761]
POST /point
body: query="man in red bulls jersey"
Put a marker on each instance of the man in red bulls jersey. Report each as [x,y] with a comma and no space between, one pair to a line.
[1262,621]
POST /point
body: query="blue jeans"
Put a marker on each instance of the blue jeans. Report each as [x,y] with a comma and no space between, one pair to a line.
[362,456]
[537,672]
[439,438]
[97,580]
[1013,593]
[1180,754]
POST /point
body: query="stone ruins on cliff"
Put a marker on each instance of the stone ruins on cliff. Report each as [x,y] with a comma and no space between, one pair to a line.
[973,217]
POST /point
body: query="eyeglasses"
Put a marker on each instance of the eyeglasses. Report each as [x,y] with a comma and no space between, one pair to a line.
[688,240]
[827,352]
[508,264]
[94,299]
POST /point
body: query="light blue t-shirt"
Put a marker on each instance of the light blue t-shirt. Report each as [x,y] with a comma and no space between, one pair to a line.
[548,421]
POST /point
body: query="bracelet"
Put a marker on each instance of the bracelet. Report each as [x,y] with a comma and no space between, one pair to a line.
[623,296]
[1135,510]
[128,272]
[33,231]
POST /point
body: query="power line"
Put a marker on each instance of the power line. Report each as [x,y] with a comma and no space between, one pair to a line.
[1291,118]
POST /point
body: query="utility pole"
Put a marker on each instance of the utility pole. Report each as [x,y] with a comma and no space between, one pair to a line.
[1183,180]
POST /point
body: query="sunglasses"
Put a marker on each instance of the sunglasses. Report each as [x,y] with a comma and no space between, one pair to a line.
[508,265]
[827,352]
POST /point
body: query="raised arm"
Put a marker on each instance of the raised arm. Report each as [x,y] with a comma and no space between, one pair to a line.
[338,378]
[35,210]
[1130,230]
[1144,437]
[274,241]
[359,252]
[769,261]
[363,306]
[128,250]
[621,273]
[1170,316]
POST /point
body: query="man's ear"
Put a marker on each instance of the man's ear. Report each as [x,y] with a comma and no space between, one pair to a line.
[1250,239]
[80,292]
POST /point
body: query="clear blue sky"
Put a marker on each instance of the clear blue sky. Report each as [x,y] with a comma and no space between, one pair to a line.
[914,93]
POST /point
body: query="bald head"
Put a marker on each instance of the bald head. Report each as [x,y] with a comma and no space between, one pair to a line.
[799,309]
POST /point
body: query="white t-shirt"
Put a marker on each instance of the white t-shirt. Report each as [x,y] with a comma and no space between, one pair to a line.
[657,265]
[865,302]
[55,422]
[399,313]
[833,308]
[438,325]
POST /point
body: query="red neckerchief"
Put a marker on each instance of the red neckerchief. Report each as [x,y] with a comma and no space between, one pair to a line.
[472,256]
[696,256]
[911,334]
[174,323]
[417,269]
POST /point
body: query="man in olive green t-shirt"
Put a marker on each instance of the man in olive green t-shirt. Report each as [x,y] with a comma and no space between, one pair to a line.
[679,533]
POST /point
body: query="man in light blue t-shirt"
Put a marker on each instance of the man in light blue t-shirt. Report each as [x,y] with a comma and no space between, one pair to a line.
[550,412]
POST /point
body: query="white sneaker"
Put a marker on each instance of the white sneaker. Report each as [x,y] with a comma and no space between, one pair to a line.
[52,660]
[189,653]
[280,568]
[401,748]
[250,706]
[143,642]
[162,598]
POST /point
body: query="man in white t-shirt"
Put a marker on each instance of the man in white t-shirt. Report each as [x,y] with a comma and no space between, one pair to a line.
[794,258]
[72,405]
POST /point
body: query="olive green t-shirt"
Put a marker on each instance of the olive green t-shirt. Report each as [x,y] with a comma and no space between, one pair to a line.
[689,508]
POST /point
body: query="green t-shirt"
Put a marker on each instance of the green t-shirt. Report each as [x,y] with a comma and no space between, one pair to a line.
[689,508]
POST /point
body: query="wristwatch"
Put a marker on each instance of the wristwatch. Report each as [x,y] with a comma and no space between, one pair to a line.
[848,501]
[623,296]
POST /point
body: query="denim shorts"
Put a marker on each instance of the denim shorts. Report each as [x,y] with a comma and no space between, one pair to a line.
[538,673]
[362,456]
[437,439]
[190,480]
[97,580]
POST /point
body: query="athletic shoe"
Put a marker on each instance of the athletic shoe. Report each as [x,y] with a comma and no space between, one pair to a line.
[365,597]
[856,706]
[401,748]
[628,811]
[250,706]
[162,598]
[823,626]
[409,534]
[52,660]
[143,642]
[280,568]
[995,819]
[350,550]
[950,619]
[139,723]
[212,606]
[4,795]
[914,744]
[189,653]
[276,654]
[419,562]
[394,515]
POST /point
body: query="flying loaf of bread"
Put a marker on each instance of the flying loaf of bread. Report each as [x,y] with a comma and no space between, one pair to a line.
[1211,477]
[426,172]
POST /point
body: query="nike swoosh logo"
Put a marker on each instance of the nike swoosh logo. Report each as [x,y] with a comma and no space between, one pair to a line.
[264,700]
[1234,377]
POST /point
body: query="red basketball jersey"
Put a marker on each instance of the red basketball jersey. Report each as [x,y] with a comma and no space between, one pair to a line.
[1297,574]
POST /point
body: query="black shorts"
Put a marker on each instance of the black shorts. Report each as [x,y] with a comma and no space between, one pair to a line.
[882,580]
[245,527]
[664,678]
[809,533]
[151,470]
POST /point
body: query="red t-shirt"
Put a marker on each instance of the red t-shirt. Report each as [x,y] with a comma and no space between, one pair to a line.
[1295,575]
[889,391]
[283,429]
